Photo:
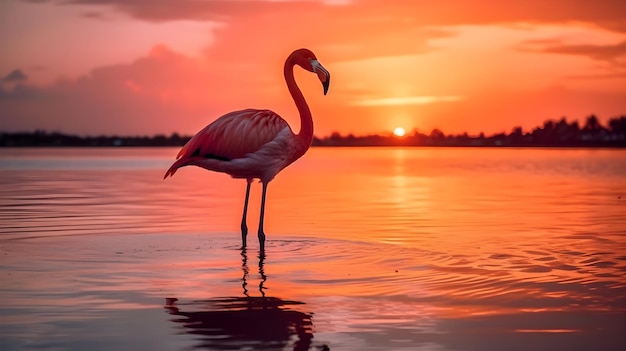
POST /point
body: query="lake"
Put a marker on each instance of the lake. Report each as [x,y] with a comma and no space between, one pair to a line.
[367,249]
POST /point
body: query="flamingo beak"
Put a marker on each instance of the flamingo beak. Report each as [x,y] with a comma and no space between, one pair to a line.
[322,74]
[326,83]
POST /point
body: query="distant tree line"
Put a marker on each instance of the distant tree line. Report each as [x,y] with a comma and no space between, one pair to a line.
[553,133]
[43,138]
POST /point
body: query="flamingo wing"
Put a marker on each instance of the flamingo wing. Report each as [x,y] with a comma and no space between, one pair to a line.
[234,135]
[230,137]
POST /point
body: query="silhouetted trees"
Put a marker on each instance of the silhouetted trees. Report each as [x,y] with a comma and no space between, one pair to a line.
[592,124]
[561,133]
[618,125]
[43,138]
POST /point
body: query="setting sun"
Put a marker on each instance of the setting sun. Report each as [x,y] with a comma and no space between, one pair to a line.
[399,131]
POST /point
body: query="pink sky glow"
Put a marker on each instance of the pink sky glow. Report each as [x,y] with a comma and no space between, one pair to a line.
[145,67]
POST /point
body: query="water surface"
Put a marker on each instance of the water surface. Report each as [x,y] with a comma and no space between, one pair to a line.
[368,249]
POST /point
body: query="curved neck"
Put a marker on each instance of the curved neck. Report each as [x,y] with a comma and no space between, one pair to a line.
[305,137]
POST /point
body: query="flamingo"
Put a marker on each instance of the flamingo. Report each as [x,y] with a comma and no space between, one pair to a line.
[250,144]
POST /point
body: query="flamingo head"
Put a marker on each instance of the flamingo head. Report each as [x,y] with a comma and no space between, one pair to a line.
[307,60]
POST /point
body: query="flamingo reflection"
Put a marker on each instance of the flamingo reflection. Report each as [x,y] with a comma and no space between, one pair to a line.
[256,322]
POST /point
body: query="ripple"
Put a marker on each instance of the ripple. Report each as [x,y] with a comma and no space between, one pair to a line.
[536,269]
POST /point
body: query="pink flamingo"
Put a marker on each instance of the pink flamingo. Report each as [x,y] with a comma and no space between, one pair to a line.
[255,143]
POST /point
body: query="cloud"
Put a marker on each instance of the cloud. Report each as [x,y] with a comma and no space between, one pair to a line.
[408,100]
[599,76]
[613,54]
[14,76]
[18,94]
[609,52]
[163,91]
[606,13]
[98,15]
[207,10]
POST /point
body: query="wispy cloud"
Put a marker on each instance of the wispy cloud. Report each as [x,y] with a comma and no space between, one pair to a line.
[98,15]
[407,100]
[607,52]
[14,76]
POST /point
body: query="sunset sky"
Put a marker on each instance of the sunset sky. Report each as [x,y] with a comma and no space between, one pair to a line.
[137,67]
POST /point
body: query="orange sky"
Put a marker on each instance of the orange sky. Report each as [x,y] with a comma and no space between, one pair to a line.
[146,67]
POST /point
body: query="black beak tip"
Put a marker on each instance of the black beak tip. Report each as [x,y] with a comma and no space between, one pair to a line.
[326,84]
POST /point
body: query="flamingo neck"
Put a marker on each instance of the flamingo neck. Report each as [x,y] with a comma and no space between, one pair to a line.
[305,136]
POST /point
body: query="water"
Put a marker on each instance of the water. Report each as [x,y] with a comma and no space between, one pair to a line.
[368,249]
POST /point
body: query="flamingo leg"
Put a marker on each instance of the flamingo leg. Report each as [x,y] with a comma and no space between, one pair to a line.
[261,233]
[244,225]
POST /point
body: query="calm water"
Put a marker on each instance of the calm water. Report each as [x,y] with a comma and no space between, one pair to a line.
[368,249]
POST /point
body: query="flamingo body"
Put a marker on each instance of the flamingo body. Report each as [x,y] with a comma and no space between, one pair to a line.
[245,144]
[253,143]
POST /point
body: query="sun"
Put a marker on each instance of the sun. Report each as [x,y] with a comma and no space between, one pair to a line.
[399,132]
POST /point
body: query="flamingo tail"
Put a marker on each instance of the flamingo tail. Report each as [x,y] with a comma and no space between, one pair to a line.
[175,166]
